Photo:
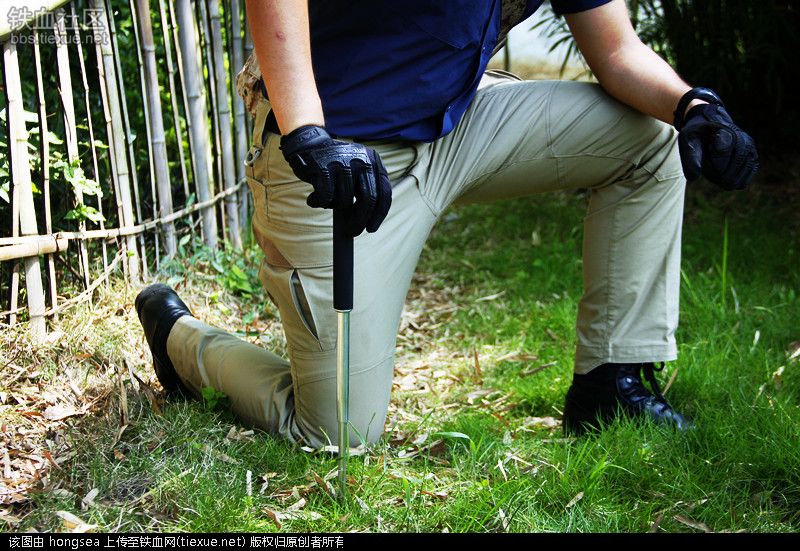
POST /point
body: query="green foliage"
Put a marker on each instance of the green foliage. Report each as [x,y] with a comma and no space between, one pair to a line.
[73,175]
[214,399]
[740,48]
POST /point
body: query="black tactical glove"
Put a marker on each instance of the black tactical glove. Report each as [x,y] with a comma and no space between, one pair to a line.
[712,145]
[344,176]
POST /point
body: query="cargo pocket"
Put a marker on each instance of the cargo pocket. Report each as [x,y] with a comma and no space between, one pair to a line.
[302,306]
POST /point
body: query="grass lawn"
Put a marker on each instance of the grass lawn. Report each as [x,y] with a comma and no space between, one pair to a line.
[474,440]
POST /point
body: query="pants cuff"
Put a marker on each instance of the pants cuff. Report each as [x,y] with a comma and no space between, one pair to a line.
[587,357]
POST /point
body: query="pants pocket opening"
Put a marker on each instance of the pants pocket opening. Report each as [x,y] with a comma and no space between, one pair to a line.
[302,306]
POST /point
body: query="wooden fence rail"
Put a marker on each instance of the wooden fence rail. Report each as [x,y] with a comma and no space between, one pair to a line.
[102,101]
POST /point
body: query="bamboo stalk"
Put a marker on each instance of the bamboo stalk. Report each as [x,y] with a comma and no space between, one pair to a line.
[21,177]
[99,37]
[148,130]
[224,124]
[199,136]
[176,120]
[44,244]
[45,152]
[160,164]
[214,146]
[14,295]
[96,173]
[134,229]
[116,133]
[65,91]
[240,124]
[184,96]
[192,162]
[128,138]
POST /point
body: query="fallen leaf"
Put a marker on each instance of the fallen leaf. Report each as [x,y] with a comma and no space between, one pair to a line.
[777,377]
[438,495]
[49,457]
[6,516]
[74,524]
[54,336]
[693,524]
[58,412]
[236,434]
[454,435]
[794,350]
[503,519]
[490,297]
[553,335]
[657,522]
[502,469]
[88,500]
[301,515]
[362,504]
[323,484]
[275,517]
[518,357]
[219,455]
[480,393]
[574,500]
[537,369]
[119,455]
[671,380]
[478,373]
[62,493]
[544,422]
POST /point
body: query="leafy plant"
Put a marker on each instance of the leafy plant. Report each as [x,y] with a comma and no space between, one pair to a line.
[213,399]
[81,186]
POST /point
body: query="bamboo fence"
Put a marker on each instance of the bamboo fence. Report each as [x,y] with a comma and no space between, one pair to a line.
[123,138]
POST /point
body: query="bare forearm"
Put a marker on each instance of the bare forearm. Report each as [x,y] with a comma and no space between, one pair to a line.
[638,77]
[281,40]
[624,66]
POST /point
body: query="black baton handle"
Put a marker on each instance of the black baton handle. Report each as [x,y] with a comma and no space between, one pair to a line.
[342,262]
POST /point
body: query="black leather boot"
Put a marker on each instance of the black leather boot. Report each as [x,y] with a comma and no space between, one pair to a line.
[596,398]
[159,307]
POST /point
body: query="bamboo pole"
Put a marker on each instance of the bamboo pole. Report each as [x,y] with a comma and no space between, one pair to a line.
[92,147]
[128,136]
[45,152]
[116,133]
[21,178]
[147,126]
[99,37]
[65,91]
[44,244]
[197,114]
[14,295]
[157,137]
[240,124]
[184,96]
[176,120]
[224,124]
[214,145]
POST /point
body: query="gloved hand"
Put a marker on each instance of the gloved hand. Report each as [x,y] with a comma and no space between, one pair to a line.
[344,175]
[712,145]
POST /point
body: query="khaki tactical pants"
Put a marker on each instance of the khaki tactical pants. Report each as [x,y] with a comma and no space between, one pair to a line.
[516,139]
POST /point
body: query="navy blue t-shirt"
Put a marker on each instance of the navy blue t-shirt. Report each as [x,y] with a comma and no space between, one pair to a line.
[405,69]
